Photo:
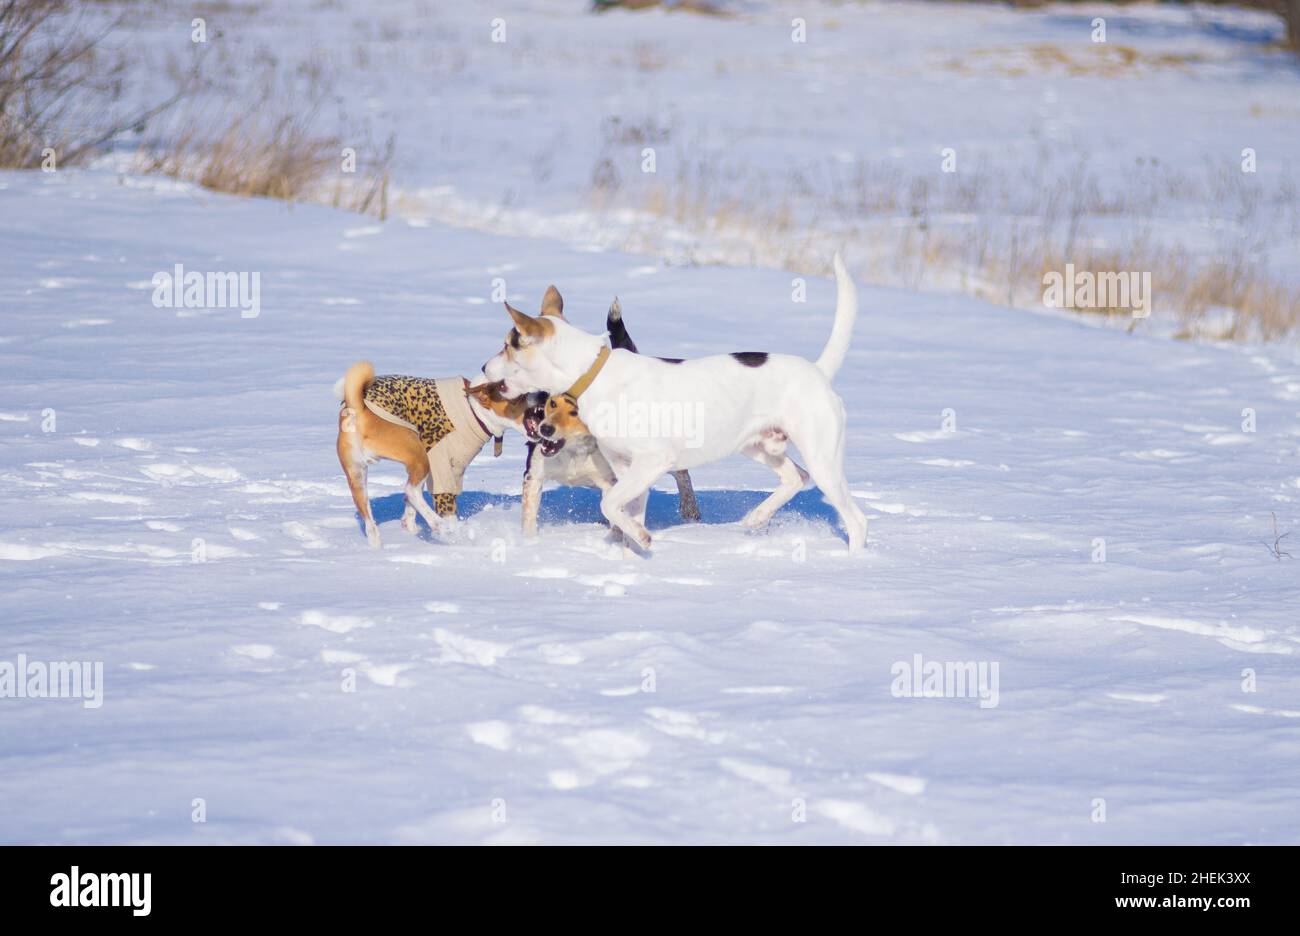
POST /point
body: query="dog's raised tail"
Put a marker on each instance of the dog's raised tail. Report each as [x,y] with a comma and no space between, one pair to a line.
[618,336]
[846,313]
[352,388]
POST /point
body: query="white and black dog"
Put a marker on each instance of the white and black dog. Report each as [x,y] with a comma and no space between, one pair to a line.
[571,460]
[750,402]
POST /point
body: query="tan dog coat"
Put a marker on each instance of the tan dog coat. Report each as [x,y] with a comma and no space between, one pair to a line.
[437,411]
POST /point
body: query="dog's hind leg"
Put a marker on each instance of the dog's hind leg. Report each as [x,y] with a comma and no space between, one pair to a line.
[686,503]
[825,457]
[415,457]
[415,475]
[357,485]
[792,478]
[354,467]
[409,523]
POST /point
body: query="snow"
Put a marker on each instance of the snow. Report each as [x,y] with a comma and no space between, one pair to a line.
[487,668]
[172,505]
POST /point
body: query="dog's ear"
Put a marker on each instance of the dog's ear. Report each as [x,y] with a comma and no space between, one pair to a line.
[482,391]
[528,326]
[553,302]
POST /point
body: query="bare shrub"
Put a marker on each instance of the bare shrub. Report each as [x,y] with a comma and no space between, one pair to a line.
[61,97]
[60,88]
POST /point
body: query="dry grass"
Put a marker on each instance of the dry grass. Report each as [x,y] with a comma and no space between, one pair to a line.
[990,234]
[1256,306]
[703,7]
[1102,59]
[250,158]
[273,150]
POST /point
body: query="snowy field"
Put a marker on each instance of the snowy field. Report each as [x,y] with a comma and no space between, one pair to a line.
[173,508]
[490,668]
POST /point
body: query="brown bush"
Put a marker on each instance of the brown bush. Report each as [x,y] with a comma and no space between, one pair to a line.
[272,148]
[60,90]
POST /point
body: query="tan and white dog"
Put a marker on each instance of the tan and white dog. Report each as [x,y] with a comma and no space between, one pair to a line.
[750,402]
[577,465]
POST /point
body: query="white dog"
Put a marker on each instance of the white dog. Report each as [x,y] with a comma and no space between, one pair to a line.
[749,402]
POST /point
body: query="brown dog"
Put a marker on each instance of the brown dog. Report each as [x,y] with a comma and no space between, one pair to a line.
[433,427]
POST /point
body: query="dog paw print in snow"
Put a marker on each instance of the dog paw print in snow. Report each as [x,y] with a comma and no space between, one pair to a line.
[683,725]
[334,623]
[599,753]
[456,648]
[493,734]
[611,585]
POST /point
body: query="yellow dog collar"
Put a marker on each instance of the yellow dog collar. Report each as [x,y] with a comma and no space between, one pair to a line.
[582,383]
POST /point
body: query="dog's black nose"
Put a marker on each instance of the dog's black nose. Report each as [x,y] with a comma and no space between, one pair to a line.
[547,430]
[483,369]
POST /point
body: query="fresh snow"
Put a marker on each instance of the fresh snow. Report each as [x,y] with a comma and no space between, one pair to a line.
[172,507]
[496,677]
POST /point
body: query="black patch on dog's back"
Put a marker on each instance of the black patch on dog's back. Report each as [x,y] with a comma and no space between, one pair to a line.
[750,358]
[671,360]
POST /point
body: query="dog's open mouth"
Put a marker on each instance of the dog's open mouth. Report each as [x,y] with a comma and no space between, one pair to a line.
[551,446]
[532,421]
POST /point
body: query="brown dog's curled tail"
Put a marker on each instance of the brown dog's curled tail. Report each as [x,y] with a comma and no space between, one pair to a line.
[355,381]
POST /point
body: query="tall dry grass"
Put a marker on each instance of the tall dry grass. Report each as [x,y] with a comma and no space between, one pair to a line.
[273,149]
[987,232]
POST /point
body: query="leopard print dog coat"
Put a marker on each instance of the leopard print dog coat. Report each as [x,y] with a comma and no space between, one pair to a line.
[437,411]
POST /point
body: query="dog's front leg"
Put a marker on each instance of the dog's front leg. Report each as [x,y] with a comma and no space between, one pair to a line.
[602,478]
[633,482]
[534,478]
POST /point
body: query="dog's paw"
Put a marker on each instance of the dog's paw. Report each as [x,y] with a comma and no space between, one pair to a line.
[452,530]
[372,537]
[410,524]
[754,521]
